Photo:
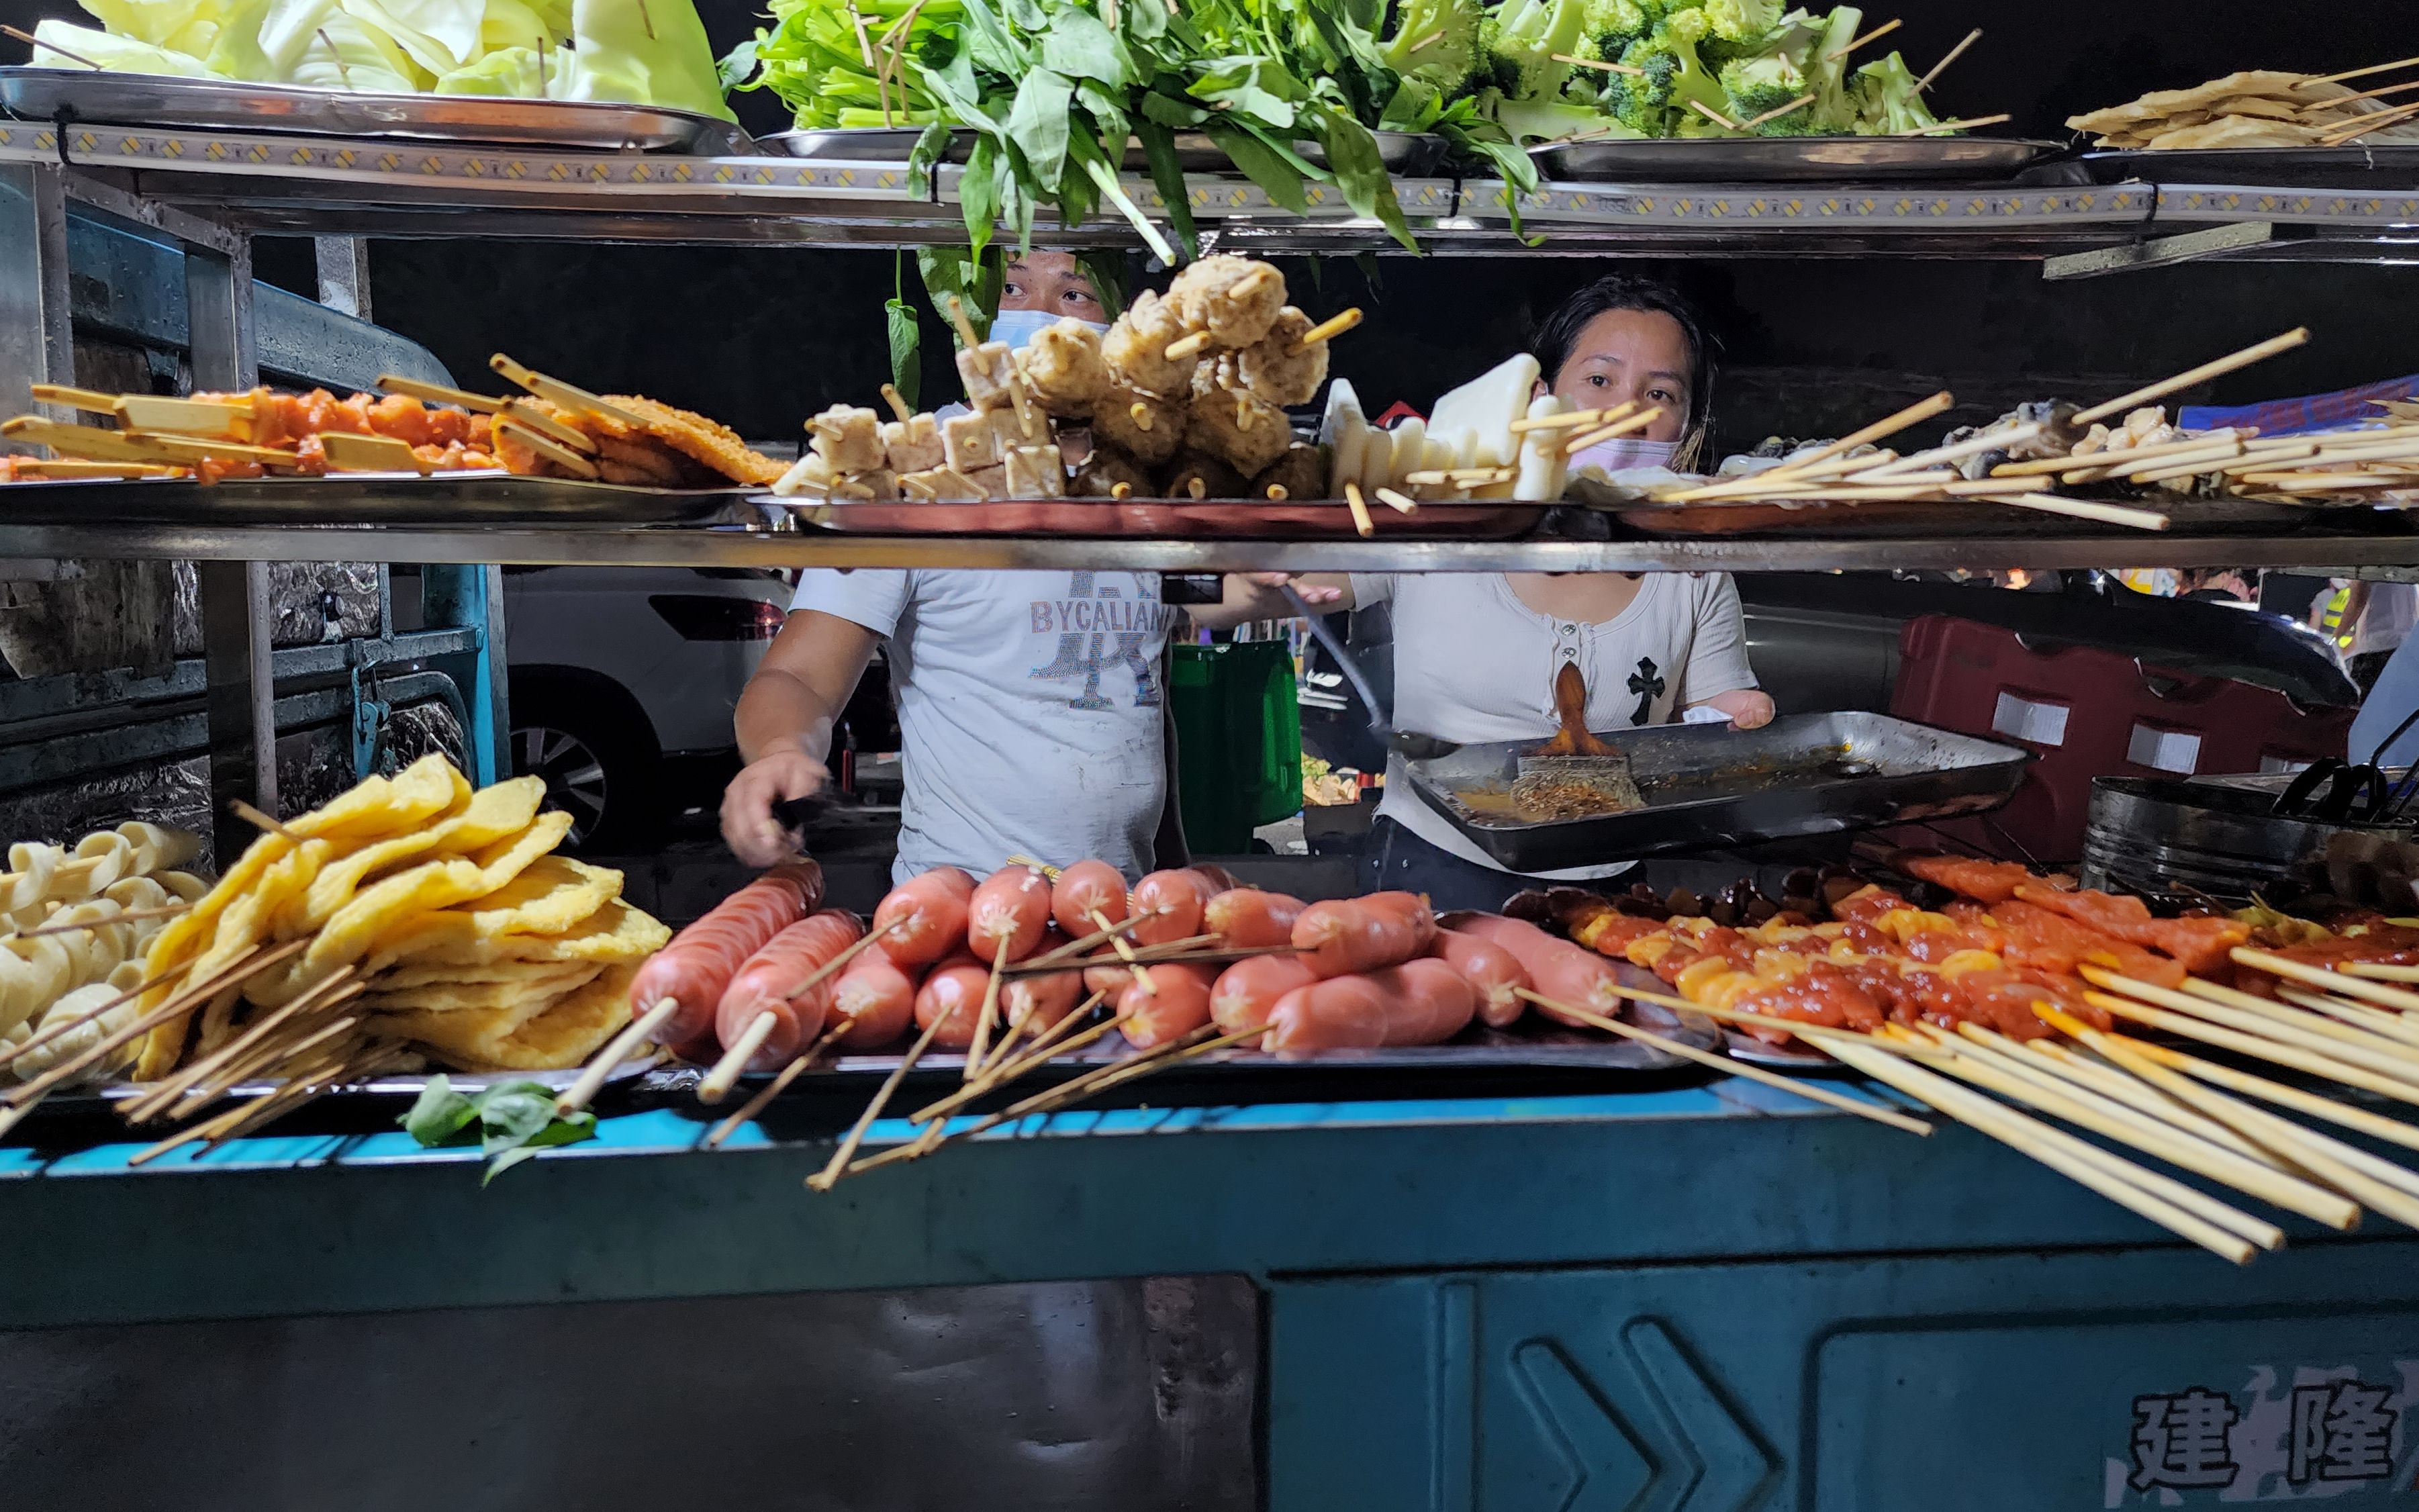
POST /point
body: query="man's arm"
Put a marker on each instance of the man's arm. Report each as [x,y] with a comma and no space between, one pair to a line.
[1254,595]
[784,721]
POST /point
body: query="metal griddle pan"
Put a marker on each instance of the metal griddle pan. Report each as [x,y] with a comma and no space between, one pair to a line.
[1709,786]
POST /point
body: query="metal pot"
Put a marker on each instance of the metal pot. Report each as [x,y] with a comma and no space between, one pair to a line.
[2156,835]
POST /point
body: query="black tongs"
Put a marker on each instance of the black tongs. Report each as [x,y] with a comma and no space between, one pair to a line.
[2356,792]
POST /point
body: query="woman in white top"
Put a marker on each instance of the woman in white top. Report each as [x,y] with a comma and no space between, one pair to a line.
[1476,653]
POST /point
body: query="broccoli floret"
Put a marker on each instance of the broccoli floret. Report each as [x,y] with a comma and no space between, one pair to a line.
[1656,100]
[1548,120]
[1887,99]
[1743,21]
[1436,40]
[1608,26]
[1837,109]
[1759,85]
[1517,45]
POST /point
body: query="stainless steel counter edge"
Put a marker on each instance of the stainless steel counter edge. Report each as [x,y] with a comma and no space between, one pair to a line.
[677,546]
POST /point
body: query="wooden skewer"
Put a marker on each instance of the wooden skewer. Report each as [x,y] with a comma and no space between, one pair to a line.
[32,40]
[1077,947]
[2355,74]
[184,418]
[569,395]
[55,1025]
[127,917]
[210,1078]
[2119,1181]
[2369,123]
[263,1059]
[2374,1020]
[832,967]
[1362,524]
[1125,952]
[1327,329]
[2256,1045]
[1778,110]
[990,1013]
[2340,101]
[2377,971]
[2350,986]
[2106,1116]
[1914,414]
[2375,1125]
[2050,504]
[2311,1031]
[1041,866]
[1966,125]
[2064,1060]
[1158,1058]
[1953,54]
[527,415]
[725,1075]
[1603,64]
[254,817]
[1184,346]
[10,1118]
[67,395]
[484,404]
[1714,116]
[1157,955]
[898,403]
[825,1179]
[2102,459]
[64,467]
[1004,1067]
[1573,419]
[616,1051]
[1618,428]
[560,455]
[774,1088]
[1735,1068]
[2258,351]
[1845,48]
[1401,504]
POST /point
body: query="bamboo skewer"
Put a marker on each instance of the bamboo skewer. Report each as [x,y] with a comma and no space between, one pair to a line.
[1778,110]
[32,40]
[126,916]
[1968,124]
[2374,1020]
[1845,48]
[2368,124]
[774,1088]
[1074,948]
[2144,520]
[1618,428]
[2256,1045]
[825,1179]
[617,1050]
[2310,1031]
[2119,1181]
[990,1013]
[2377,971]
[569,395]
[249,1053]
[484,404]
[2111,1081]
[833,966]
[2258,351]
[1004,1070]
[54,1026]
[1951,56]
[726,1073]
[1125,952]
[1754,1073]
[257,820]
[1914,414]
[1573,419]
[1327,329]
[2375,1125]
[1953,452]
[2349,986]
[1362,524]
[2355,74]
[1603,65]
[1714,116]
[241,967]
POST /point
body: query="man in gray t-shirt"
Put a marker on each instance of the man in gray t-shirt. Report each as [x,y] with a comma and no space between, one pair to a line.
[1029,713]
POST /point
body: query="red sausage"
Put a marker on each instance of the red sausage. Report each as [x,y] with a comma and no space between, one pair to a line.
[1412,906]
[1219,879]
[924,918]
[695,968]
[1109,981]
[1358,934]
[1246,991]
[766,982]
[1013,905]
[875,998]
[1419,1002]
[1170,904]
[953,993]
[1557,969]
[1246,917]
[1086,889]
[1179,1005]
[1494,971]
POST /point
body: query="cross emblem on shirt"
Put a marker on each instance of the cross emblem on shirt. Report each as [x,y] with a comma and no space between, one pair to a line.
[1648,685]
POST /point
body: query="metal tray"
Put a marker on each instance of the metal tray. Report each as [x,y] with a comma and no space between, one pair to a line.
[1302,519]
[1789,159]
[72,95]
[1709,786]
[2378,165]
[358,499]
[1407,154]
[1929,518]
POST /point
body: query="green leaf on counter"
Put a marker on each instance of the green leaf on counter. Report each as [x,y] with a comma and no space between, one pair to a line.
[440,1113]
[1039,126]
[516,1120]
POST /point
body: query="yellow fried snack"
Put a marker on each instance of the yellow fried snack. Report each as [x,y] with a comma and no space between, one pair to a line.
[452,951]
[483,818]
[387,806]
[438,883]
[536,980]
[540,1034]
[232,919]
[554,895]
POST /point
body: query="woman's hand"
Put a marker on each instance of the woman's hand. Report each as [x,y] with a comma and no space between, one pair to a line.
[1254,595]
[1749,708]
[754,836]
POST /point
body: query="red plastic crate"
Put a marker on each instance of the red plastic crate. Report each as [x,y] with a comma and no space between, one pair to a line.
[2086,713]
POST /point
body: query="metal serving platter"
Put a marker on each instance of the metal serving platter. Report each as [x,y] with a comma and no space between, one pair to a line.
[1763,159]
[1212,519]
[2381,166]
[480,497]
[1709,786]
[1929,518]
[81,94]
[1408,154]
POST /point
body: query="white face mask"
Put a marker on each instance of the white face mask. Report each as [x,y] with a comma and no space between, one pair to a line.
[1019,327]
[1624,453]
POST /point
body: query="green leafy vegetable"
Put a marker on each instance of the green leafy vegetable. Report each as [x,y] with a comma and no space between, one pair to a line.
[515,1120]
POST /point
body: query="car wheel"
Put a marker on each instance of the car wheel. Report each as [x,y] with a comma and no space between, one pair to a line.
[598,762]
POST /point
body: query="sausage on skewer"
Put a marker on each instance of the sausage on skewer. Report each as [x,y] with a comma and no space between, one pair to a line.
[1247,918]
[1419,1002]
[877,1000]
[1246,992]
[924,918]
[1179,1005]
[1013,906]
[759,983]
[1494,971]
[695,968]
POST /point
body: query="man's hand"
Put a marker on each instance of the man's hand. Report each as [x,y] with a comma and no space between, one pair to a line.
[1749,708]
[748,823]
[1312,592]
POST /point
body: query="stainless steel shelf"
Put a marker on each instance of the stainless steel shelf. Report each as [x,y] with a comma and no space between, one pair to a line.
[676,546]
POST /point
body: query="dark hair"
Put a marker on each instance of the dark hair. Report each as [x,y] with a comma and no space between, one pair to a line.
[1560,334]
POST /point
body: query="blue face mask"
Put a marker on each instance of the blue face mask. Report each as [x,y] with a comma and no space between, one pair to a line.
[1019,327]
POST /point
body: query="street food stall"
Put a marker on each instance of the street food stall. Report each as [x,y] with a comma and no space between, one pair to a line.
[1904,1178]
